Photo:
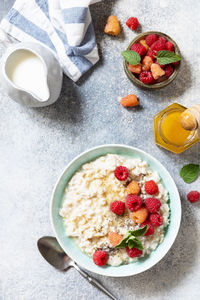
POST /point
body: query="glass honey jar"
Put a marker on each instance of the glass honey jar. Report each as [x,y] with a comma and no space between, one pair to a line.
[169,132]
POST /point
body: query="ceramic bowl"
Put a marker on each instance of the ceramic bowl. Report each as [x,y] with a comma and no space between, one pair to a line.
[159,85]
[74,251]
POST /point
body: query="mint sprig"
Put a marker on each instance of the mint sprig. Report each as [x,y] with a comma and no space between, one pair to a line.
[131,240]
[165,57]
[190,172]
[131,57]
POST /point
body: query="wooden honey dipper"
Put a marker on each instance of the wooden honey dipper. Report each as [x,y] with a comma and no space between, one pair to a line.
[190,118]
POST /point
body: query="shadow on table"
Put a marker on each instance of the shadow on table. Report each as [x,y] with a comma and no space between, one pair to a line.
[177,88]
[67,108]
[100,12]
[174,267]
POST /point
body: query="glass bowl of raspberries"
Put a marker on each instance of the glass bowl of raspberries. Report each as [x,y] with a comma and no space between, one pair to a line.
[152,60]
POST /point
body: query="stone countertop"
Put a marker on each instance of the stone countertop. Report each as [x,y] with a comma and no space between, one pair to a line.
[36,144]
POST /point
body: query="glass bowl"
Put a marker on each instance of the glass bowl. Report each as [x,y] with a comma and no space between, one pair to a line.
[159,85]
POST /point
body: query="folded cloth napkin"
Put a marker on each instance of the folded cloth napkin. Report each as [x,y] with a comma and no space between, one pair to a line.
[65,26]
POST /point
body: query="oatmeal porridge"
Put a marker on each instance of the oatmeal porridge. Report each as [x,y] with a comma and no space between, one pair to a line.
[107,201]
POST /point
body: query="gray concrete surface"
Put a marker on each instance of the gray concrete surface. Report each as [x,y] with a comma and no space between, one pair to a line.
[36,144]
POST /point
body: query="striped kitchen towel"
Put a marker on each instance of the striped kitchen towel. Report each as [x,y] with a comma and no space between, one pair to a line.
[65,26]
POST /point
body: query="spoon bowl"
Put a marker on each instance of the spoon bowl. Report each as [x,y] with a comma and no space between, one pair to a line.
[55,256]
[53,253]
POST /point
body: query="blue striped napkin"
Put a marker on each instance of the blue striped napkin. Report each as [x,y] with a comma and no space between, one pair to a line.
[65,26]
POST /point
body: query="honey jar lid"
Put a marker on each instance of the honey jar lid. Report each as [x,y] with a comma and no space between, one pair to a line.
[190,118]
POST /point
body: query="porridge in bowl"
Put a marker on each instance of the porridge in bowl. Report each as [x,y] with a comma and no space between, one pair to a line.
[116,209]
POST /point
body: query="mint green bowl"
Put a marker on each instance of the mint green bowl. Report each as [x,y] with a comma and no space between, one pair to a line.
[73,250]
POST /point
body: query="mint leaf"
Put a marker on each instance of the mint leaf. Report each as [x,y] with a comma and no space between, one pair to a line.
[139,232]
[189,172]
[134,242]
[123,243]
[130,244]
[165,57]
[131,56]
[130,239]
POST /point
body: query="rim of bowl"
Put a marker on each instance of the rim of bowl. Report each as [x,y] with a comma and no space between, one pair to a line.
[179,212]
[156,85]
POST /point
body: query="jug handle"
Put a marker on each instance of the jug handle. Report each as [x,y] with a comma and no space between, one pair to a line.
[5,40]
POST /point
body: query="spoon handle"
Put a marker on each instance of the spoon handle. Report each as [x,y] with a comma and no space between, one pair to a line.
[93,281]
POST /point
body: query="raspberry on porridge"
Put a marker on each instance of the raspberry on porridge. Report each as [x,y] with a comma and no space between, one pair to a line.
[89,220]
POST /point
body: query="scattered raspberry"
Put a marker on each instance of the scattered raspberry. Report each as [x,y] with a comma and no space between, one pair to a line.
[137,69]
[146,77]
[162,66]
[129,101]
[133,202]
[158,45]
[132,23]
[169,46]
[121,173]
[161,38]
[175,63]
[156,219]
[157,71]
[146,63]
[140,215]
[169,70]
[193,196]
[143,43]
[151,187]
[114,238]
[140,49]
[150,229]
[133,252]
[117,207]
[113,26]
[152,53]
[133,188]
[152,204]
[154,81]
[100,258]
[151,38]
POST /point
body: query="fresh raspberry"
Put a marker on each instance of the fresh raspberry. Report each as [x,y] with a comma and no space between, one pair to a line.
[169,70]
[193,196]
[162,66]
[152,204]
[133,252]
[150,229]
[146,77]
[158,45]
[156,219]
[114,238]
[100,258]
[133,188]
[132,23]
[117,207]
[154,81]
[140,49]
[161,38]
[140,216]
[133,202]
[169,46]
[151,187]
[152,53]
[175,63]
[151,38]
[121,173]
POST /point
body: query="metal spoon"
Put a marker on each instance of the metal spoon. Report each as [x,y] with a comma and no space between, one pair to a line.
[54,254]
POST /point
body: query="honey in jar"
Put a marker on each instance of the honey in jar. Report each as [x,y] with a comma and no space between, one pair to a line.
[169,132]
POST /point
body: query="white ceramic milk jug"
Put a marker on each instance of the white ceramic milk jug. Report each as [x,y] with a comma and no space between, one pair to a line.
[30,74]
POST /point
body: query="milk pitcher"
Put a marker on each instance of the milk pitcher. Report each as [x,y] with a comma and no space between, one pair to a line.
[30,74]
